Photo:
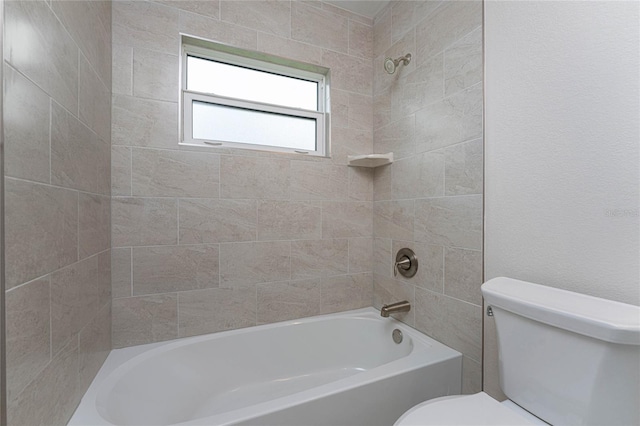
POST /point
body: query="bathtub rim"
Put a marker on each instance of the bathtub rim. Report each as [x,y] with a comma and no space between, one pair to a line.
[88,410]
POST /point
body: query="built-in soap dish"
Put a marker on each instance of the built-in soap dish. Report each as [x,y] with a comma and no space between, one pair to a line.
[370,160]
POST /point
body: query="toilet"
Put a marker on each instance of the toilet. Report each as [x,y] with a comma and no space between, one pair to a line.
[564,359]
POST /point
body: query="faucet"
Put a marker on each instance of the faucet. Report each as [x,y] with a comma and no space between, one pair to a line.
[394,308]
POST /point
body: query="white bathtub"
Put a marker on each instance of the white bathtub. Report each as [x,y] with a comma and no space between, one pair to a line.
[339,369]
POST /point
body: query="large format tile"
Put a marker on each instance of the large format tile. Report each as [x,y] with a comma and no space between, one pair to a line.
[285,47]
[94,100]
[144,319]
[174,268]
[419,176]
[393,219]
[94,345]
[464,168]
[267,16]
[161,173]
[398,137]
[144,122]
[218,309]
[346,292]
[347,219]
[104,278]
[254,177]
[319,27]
[463,63]
[121,273]
[215,221]
[155,75]
[360,39]
[463,274]
[388,290]
[120,170]
[360,255]
[244,264]
[146,25]
[28,315]
[319,258]
[26,128]
[318,181]
[213,29]
[430,274]
[94,228]
[450,221]
[143,221]
[122,70]
[289,220]
[210,8]
[287,300]
[349,72]
[41,224]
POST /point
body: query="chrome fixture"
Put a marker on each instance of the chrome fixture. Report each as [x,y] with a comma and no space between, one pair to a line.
[396,335]
[406,263]
[395,308]
[390,65]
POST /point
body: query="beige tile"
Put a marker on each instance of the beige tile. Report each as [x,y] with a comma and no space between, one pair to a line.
[430,274]
[253,177]
[76,153]
[26,128]
[318,181]
[403,15]
[450,221]
[52,62]
[94,227]
[213,29]
[447,24]
[287,300]
[349,72]
[27,333]
[347,219]
[162,173]
[360,113]
[210,8]
[267,16]
[340,108]
[398,137]
[382,257]
[318,258]
[346,13]
[382,183]
[463,274]
[120,170]
[214,221]
[289,220]
[471,376]
[287,48]
[244,264]
[388,290]
[143,221]
[155,75]
[319,27]
[146,25]
[121,273]
[346,292]
[345,142]
[74,301]
[41,225]
[122,70]
[144,319]
[144,122]
[393,219]
[213,310]
[94,100]
[103,168]
[426,8]
[464,168]
[383,114]
[174,268]
[463,63]
[419,176]
[382,32]
[361,183]
[360,255]
[53,396]
[89,23]
[94,345]
[360,39]
[104,278]
[400,47]
[455,323]
[420,88]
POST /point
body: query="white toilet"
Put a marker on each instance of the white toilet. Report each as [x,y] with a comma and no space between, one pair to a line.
[565,359]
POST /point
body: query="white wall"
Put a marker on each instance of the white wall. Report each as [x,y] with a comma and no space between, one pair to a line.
[562,135]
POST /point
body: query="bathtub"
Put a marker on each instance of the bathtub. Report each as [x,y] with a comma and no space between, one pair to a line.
[338,369]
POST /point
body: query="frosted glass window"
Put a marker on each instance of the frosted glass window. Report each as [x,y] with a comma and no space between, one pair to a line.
[237,82]
[225,123]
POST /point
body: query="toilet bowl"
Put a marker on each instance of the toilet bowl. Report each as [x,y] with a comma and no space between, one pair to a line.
[477,409]
[565,359]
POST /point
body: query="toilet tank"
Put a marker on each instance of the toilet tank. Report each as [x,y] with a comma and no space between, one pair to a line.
[567,358]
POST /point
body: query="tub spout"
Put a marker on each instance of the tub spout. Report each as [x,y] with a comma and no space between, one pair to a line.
[394,308]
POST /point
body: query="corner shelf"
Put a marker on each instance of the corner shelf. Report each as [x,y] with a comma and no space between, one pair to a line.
[370,160]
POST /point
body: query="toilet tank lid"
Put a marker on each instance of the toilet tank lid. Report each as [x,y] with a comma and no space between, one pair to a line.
[603,319]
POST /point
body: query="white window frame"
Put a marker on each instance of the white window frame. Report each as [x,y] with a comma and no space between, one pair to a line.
[267,63]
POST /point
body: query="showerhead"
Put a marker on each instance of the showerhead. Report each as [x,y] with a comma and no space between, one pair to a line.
[390,65]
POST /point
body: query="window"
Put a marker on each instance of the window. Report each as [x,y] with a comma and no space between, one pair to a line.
[242,99]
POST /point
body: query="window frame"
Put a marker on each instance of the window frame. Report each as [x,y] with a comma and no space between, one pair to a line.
[259,62]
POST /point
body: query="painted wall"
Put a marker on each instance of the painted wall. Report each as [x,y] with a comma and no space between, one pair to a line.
[207,240]
[57,79]
[429,114]
[562,149]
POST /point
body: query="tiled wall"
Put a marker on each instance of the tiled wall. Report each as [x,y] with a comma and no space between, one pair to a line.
[206,240]
[429,113]
[57,76]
